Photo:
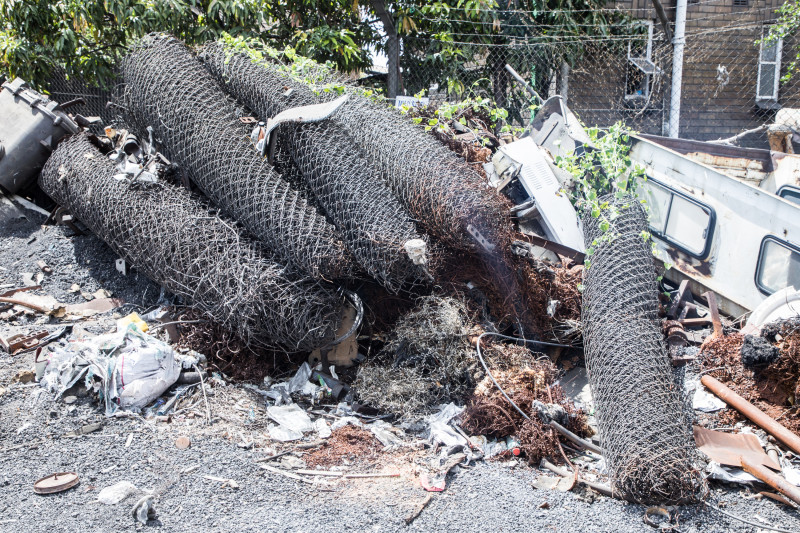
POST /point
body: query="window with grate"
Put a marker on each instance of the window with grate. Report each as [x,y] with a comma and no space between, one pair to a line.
[769,68]
[741,3]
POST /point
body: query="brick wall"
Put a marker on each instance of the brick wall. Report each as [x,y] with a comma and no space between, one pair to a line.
[720,74]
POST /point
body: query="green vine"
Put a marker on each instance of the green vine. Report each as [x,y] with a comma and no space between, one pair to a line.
[317,76]
[605,168]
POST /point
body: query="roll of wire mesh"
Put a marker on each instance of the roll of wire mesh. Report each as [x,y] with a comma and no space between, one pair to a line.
[446,198]
[197,126]
[645,433]
[170,237]
[374,225]
[440,190]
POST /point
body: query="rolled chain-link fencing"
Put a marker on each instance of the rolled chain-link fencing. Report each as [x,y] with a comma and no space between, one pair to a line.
[644,431]
[63,89]
[169,236]
[196,125]
[374,225]
[443,194]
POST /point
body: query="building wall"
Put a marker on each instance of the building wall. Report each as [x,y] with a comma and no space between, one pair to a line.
[720,73]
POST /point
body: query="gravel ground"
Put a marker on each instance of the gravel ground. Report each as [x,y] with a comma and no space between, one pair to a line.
[493,496]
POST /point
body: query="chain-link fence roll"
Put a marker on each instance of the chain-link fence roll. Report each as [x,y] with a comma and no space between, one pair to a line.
[443,194]
[172,239]
[644,432]
[374,225]
[166,87]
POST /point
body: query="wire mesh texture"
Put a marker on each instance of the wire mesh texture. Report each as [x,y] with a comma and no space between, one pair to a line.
[63,89]
[374,225]
[439,189]
[730,81]
[166,87]
[175,241]
[644,431]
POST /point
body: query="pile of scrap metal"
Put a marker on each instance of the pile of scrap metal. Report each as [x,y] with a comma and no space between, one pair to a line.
[321,200]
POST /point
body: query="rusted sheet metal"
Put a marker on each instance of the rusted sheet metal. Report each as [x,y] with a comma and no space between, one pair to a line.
[728,449]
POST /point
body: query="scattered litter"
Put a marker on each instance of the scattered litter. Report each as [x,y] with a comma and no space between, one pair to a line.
[116,493]
[131,368]
[182,442]
[291,418]
[144,509]
[322,428]
[225,481]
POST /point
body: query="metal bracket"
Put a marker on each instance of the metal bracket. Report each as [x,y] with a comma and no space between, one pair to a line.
[299,115]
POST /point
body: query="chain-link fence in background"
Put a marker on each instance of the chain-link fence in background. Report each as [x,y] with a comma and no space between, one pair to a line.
[730,82]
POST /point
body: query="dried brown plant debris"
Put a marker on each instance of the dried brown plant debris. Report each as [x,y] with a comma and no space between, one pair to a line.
[765,390]
[349,443]
[489,413]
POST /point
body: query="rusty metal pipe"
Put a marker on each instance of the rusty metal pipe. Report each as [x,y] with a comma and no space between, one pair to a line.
[583,443]
[772,479]
[752,412]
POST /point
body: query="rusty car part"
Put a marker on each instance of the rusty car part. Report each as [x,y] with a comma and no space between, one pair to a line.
[676,341]
[711,298]
[756,415]
[23,341]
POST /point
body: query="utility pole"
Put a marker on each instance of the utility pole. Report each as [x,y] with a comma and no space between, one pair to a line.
[678,42]
[392,47]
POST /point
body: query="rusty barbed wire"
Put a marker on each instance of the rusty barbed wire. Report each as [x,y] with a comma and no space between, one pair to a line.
[171,238]
[645,432]
[374,225]
[197,125]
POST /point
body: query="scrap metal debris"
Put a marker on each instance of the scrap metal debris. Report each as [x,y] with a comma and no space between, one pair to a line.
[176,242]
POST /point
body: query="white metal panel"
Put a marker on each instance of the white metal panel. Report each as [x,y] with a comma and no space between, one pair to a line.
[558,216]
[744,216]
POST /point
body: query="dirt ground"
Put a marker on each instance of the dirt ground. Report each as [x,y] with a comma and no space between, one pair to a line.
[216,484]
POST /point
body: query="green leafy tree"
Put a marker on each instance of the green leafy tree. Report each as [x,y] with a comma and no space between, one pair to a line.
[87,37]
[787,25]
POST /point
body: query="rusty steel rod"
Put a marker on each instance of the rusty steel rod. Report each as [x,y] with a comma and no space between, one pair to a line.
[605,490]
[772,479]
[711,297]
[14,301]
[583,443]
[752,412]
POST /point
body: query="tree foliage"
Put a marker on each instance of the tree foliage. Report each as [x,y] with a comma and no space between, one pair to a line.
[86,37]
[788,23]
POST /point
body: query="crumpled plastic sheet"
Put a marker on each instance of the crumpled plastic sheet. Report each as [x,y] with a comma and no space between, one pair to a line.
[292,422]
[280,392]
[129,368]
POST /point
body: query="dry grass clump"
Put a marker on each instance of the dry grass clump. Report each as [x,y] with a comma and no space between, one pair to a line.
[425,362]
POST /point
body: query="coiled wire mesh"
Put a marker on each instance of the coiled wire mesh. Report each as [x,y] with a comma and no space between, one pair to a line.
[439,189]
[645,435]
[166,87]
[172,239]
[373,223]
